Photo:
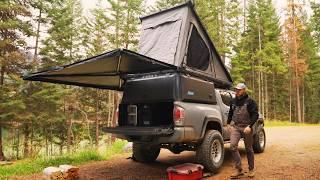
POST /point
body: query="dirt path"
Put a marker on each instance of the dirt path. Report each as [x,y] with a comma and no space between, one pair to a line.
[291,153]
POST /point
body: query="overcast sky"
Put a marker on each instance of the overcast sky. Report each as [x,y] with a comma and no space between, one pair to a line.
[279,4]
[90,4]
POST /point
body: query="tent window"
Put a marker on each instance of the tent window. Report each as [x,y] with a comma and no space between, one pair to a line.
[198,55]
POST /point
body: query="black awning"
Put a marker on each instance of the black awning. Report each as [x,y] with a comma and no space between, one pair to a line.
[105,71]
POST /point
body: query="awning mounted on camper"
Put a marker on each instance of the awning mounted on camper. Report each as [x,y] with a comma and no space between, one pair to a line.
[105,71]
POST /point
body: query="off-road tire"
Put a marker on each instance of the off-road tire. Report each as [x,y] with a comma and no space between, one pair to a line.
[210,153]
[144,152]
[259,141]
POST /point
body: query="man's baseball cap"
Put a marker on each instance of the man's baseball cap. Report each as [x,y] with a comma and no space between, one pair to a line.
[241,86]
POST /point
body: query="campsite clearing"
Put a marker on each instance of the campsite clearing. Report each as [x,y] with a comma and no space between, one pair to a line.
[291,153]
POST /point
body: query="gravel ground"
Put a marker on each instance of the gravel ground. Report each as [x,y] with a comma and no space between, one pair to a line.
[291,153]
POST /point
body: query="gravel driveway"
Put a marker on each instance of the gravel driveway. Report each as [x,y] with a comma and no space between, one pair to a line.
[291,153]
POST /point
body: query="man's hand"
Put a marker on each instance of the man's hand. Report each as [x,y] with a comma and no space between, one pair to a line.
[229,127]
[247,130]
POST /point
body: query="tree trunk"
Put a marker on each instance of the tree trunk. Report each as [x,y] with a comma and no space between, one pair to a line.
[244,15]
[2,76]
[266,96]
[47,145]
[31,140]
[2,158]
[253,80]
[61,148]
[303,105]
[260,78]
[127,26]
[274,103]
[117,25]
[37,38]
[69,124]
[114,118]
[298,102]
[18,144]
[26,151]
[97,122]
[51,141]
[290,100]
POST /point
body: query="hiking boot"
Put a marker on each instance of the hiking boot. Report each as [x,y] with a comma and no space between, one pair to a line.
[237,173]
[251,173]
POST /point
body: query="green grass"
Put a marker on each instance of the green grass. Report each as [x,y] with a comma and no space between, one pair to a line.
[29,166]
[116,148]
[274,123]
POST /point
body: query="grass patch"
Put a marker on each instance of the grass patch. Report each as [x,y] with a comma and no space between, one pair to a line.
[116,148]
[29,166]
[274,123]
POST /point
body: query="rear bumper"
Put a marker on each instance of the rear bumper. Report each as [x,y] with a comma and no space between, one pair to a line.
[140,131]
[154,135]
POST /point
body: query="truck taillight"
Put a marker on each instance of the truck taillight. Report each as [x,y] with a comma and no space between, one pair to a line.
[178,115]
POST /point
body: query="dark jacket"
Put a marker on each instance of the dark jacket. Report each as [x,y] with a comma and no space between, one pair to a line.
[252,108]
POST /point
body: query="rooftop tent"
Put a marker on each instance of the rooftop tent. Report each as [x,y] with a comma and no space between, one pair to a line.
[173,39]
[176,36]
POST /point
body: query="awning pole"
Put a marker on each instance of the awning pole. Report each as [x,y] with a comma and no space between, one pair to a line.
[118,69]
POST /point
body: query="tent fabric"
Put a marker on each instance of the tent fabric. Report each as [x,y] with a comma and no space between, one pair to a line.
[171,49]
[157,44]
[187,45]
[105,71]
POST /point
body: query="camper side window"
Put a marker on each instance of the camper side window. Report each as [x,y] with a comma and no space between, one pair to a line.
[226,97]
[198,55]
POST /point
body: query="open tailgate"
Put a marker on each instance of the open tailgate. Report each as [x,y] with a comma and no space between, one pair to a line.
[105,71]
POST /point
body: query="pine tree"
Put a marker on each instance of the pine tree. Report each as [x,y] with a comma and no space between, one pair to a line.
[14,27]
[124,23]
[96,32]
[62,46]
[258,60]
[221,19]
[310,48]
[165,4]
[297,61]
[94,101]
[315,23]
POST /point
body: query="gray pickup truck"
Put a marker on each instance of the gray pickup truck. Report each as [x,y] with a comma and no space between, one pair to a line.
[176,89]
[149,119]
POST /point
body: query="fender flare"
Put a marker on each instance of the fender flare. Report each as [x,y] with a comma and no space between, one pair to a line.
[259,125]
[211,119]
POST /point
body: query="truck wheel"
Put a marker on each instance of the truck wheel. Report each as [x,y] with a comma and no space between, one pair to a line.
[211,151]
[145,152]
[259,141]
